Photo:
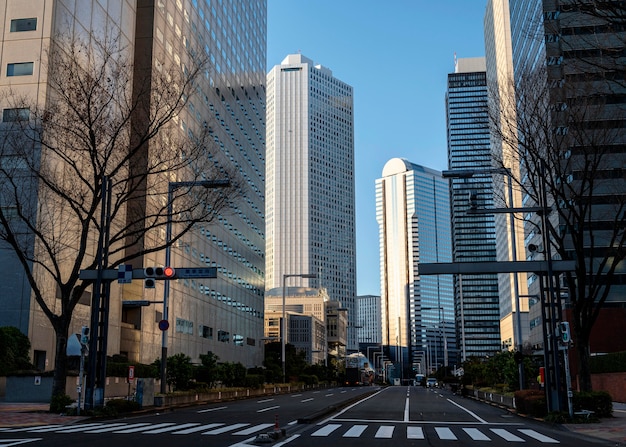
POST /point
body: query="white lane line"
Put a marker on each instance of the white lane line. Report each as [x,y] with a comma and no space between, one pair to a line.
[12,442]
[538,436]
[406,409]
[341,392]
[445,434]
[166,429]
[244,443]
[476,434]
[263,410]
[328,395]
[355,431]
[196,429]
[326,430]
[219,431]
[114,427]
[293,422]
[79,427]
[249,431]
[384,431]
[296,395]
[478,418]
[307,400]
[15,430]
[151,427]
[292,438]
[264,400]
[212,409]
[506,435]
[414,433]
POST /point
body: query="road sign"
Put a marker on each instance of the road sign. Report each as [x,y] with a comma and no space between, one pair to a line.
[125,274]
[164,325]
[196,272]
[136,303]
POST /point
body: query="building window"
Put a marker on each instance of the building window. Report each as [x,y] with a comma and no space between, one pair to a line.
[20,69]
[18,25]
[20,114]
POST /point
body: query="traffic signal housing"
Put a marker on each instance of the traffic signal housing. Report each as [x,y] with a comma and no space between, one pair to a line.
[564,332]
[152,274]
[84,335]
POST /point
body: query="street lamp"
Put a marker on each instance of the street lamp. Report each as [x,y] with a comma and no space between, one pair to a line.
[173,186]
[283,325]
[511,210]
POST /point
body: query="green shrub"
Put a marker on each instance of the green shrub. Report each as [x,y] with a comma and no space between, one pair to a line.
[254,380]
[531,402]
[599,402]
[309,379]
[613,362]
[59,402]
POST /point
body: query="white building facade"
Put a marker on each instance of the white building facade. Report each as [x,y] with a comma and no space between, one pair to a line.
[310,203]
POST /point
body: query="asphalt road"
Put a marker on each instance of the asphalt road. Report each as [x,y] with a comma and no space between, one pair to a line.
[394,416]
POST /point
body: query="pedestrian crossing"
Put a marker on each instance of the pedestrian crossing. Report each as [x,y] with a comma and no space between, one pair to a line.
[331,430]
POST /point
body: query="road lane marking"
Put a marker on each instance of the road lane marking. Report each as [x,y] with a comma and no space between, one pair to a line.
[137,429]
[445,433]
[478,418]
[113,427]
[219,431]
[476,434]
[384,431]
[264,400]
[331,394]
[326,430]
[212,409]
[197,429]
[249,431]
[307,400]
[287,440]
[506,435]
[355,431]
[414,433]
[83,426]
[538,436]
[263,410]
[244,443]
[12,442]
[15,430]
[166,429]
[406,409]
[296,395]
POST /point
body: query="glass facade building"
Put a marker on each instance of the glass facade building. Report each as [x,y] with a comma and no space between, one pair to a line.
[477,301]
[413,214]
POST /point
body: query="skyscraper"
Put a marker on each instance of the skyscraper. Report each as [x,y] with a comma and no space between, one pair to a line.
[413,214]
[477,301]
[310,204]
[225,314]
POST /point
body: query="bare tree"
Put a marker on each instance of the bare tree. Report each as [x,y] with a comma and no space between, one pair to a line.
[102,121]
[569,140]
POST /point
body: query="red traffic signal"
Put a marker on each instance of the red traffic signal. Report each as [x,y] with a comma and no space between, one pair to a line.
[169,272]
[151,274]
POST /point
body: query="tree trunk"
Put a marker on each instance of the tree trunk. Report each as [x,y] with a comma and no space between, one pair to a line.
[59,379]
[584,369]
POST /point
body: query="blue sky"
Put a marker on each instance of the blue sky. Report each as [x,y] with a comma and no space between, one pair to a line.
[396,54]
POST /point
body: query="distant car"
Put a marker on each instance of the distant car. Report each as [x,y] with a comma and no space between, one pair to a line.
[431,382]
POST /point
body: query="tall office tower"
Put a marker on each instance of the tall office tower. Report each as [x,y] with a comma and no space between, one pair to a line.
[568,52]
[417,312]
[368,319]
[477,301]
[310,181]
[509,230]
[223,315]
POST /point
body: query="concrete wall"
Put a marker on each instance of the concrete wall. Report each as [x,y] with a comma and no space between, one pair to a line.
[612,383]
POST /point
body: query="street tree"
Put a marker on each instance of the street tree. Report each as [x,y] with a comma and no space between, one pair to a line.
[104,124]
[568,138]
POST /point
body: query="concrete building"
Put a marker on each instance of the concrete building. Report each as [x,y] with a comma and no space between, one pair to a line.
[477,298]
[310,204]
[222,315]
[417,312]
[368,319]
[514,328]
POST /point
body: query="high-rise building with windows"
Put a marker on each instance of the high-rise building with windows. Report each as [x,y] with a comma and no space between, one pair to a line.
[310,203]
[223,315]
[417,312]
[477,300]
[368,321]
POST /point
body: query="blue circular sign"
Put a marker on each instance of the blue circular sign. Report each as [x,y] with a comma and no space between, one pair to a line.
[164,325]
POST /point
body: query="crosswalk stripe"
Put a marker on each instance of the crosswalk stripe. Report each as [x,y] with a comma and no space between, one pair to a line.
[384,431]
[196,429]
[256,428]
[538,436]
[414,433]
[476,434]
[12,442]
[66,428]
[15,430]
[144,427]
[355,431]
[445,433]
[166,429]
[506,435]
[114,427]
[221,430]
[326,430]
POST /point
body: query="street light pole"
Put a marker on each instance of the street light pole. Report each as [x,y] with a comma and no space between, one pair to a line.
[283,325]
[171,187]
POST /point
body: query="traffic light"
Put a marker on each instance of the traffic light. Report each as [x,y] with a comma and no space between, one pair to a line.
[84,335]
[564,332]
[151,274]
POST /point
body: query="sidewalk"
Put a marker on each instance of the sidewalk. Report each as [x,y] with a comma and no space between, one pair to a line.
[613,429]
[28,414]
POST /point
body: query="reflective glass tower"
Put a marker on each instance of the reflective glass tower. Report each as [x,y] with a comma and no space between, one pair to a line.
[413,214]
[477,302]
